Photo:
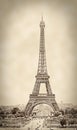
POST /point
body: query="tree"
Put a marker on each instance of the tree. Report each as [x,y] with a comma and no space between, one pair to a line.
[2,113]
[62,111]
[15,110]
[63,122]
[57,113]
[72,121]
[73,112]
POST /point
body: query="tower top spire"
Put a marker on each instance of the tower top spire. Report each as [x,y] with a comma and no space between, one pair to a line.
[42,23]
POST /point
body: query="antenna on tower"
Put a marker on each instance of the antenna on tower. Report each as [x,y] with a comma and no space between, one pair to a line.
[42,17]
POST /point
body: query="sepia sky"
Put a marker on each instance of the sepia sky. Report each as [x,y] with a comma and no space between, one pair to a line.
[19,48]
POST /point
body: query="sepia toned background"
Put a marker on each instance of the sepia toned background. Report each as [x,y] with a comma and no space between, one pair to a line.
[19,48]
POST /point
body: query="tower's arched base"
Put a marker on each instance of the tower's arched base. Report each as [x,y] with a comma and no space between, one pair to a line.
[40,99]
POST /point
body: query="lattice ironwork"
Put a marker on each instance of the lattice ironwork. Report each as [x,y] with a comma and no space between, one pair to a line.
[41,77]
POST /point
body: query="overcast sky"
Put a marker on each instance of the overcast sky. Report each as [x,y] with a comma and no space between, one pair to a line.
[19,41]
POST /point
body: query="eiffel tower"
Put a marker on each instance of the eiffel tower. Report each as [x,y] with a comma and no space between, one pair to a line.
[42,76]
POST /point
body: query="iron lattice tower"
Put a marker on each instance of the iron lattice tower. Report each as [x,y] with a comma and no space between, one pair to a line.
[41,77]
